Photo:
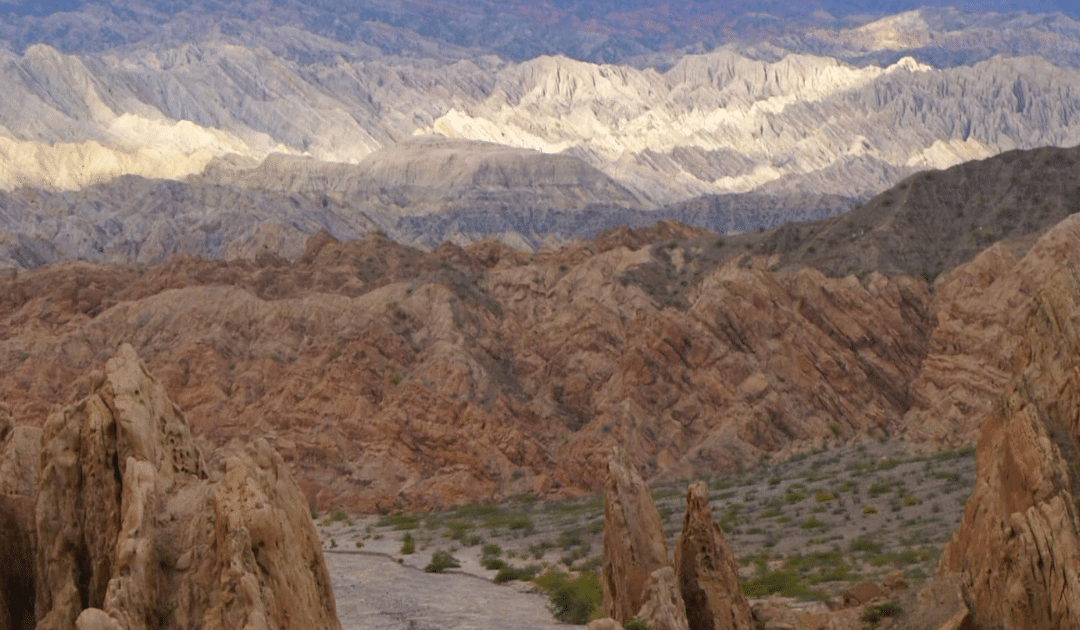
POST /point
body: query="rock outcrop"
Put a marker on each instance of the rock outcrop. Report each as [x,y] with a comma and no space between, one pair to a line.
[134,529]
[708,576]
[20,455]
[16,563]
[1018,546]
[633,540]
[664,608]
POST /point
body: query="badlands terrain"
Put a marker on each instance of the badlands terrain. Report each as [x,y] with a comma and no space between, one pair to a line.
[302,307]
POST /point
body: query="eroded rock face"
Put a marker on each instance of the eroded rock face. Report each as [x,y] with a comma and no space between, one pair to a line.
[135,530]
[1019,543]
[663,608]
[707,574]
[633,539]
[20,455]
[17,566]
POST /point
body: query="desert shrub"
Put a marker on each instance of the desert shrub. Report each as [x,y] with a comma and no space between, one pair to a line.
[869,510]
[458,529]
[874,614]
[862,543]
[573,601]
[636,624]
[823,496]
[784,582]
[441,561]
[523,574]
[339,515]
[491,549]
[408,545]
[910,501]
[793,497]
[400,522]
[492,563]
[811,523]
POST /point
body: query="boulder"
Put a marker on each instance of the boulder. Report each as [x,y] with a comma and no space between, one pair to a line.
[707,573]
[663,608]
[862,593]
[134,530]
[1018,545]
[633,539]
[894,581]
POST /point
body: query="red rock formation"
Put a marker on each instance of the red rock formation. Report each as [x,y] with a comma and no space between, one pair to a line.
[633,540]
[388,377]
[1019,543]
[708,576]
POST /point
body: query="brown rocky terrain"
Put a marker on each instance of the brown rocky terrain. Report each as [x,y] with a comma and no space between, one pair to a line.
[392,378]
[130,528]
[388,377]
[1018,547]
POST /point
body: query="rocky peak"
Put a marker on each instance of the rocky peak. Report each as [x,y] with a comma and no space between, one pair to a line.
[132,528]
[633,539]
[707,574]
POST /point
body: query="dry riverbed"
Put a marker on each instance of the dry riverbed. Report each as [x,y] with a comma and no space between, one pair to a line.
[808,528]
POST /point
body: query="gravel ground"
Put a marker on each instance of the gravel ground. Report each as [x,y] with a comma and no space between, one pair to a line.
[374,592]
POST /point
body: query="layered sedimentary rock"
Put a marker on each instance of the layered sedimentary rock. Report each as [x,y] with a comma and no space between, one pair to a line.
[389,377]
[133,527]
[633,542]
[1018,546]
[708,576]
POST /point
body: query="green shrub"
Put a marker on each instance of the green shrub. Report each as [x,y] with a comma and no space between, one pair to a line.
[400,522]
[524,574]
[784,582]
[811,523]
[573,601]
[408,545]
[339,515]
[823,496]
[492,563]
[868,510]
[874,614]
[793,497]
[636,624]
[910,501]
[491,549]
[862,543]
[441,561]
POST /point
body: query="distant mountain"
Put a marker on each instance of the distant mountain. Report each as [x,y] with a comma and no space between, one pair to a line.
[810,108]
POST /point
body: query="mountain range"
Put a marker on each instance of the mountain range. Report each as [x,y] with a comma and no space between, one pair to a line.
[297,108]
